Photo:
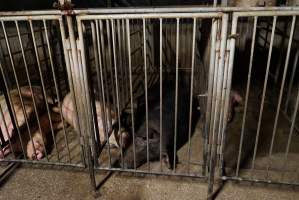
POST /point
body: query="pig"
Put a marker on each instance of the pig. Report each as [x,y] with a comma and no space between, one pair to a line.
[6,126]
[168,111]
[115,138]
[41,138]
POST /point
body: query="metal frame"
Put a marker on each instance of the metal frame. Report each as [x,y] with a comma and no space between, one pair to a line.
[220,76]
[256,15]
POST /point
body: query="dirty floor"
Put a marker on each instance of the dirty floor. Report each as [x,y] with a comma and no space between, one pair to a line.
[47,183]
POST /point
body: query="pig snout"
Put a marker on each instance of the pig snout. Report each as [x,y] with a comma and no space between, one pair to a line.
[234,101]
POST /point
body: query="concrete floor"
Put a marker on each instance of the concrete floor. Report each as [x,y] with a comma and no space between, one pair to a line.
[47,183]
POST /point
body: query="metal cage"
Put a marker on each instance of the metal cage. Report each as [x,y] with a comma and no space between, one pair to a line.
[81,88]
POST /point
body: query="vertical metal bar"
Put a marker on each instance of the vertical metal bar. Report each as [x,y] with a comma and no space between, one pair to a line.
[281,93]
[101,86]
[121,67]
[224,100]
[131,88]
[264,93]
[97,141]
[71,85]
[161,93]
[146,95]
[210,93]
[116,82]
[18,88]
[125,61]
[30,86]
[6,129]
[214,94]
[283,169]
[176,91]
[56,90]
[110,66]
[105,65]
[247,95]
[12,112]
[43,85]
[191,93]
[291,81]
[85,88]
[219,75]
[107,95]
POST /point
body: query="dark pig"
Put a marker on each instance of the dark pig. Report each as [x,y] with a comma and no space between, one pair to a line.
[168,119]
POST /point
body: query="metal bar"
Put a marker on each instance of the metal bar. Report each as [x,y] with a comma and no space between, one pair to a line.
[283,169]
[258,181]
[219,81]
[41,162]
[6,129]
[150,16]
[106,65]
[224,108]
[87,112]
[152,173]
[71,85]
[107,88]
[110,66]
[97,142]
[116,82]
[291,81]
[43,86]
[264,93]
[161,92]
[30,86]
[209,95]
[146,94]
[18,89]
[101,86]
[285,115]
[281,92]
[247,95]
[56,90]
[176,91]
[281,47]
[179,10]
[121,67]
[191,93]
[105,80]
[25,18]
[131,88]
[125,61]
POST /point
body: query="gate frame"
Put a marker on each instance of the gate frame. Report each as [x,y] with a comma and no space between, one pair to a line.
[219,90]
